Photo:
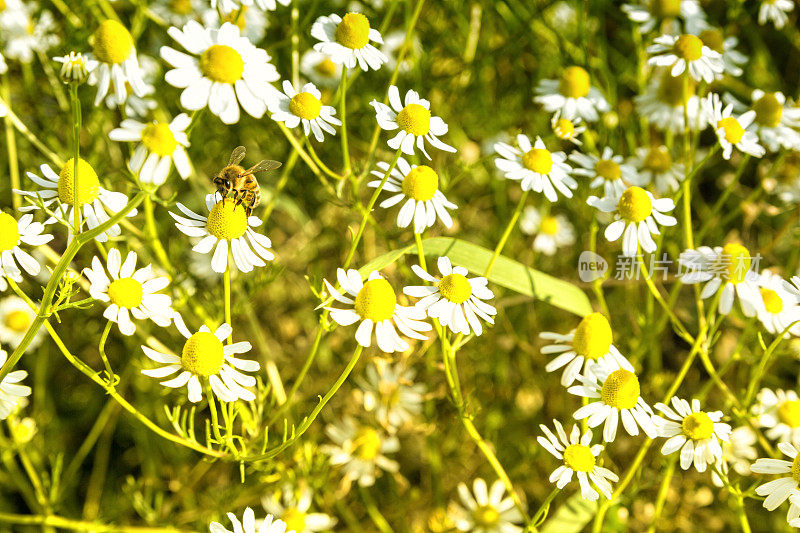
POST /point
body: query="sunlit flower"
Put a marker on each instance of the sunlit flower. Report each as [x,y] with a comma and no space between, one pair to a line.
[16,316]
[346,40]
[738,452]
[572,94]
[25,36]
[778,490]
[295,107]
[537,168]
[552,231]
[14,232]
[732,132]
[608,170]
[566,129]
[227,6]
[781,304]
[292,506]
[360,451]
[485,510]
[248,524]
[776,120]
[320,69]
[178,12]
[75,68]
[12,392]
[732,59]
[697,434]
[662,103]
[252,22]
[656,165]
[390,393]
[779,412]
[648,13]
[393,43]
[686,52]
[775,11]
[115,53]
[161,144]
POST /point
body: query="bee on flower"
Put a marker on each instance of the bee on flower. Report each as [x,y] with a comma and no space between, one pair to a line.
[552,231]
[485,509]
[248,523]
[780,304]
[697,434]
[115,52]
[775,11]
[161,145]
[608,170]
[649,13]
[346,40]
[14,232]
[572,94]
[12,391]
[303,107]
[292,506]
[686,53]
[732,132]
[535,167]
[655,165]
[360,451]
[662,103]
[16,316]
[778,412]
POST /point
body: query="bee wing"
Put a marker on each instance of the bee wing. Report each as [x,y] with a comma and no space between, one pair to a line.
[263,166]
[236,156]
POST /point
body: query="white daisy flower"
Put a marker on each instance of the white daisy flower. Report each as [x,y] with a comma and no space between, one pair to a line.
[732,59]
[780,304]
[161,144]
[223,71]
[320,69]
[15,13]
[252,22]
[16,317]
[293,108]
[485,510]
[697,434]
[455,300]
[566,129]
[393,43]
[728,267]
[418,188]
[662,104]
[94,201]
[129,291]
[12,392]
[648,13]
[618,396]
[390,393]
[346,40]
[577,351]
[778,490]
[608,170]
[731,132]
[292,506]
[637,215]
[115,53]
[205,358]
[75,68]
[572,95]
[142,105]
[374,304]
[227,6]
[779,412]
[414,120]
[227,225]
[580,458]
[686,52]
[738,452]
[655,165]
[178,12]
[14,232]
[361,451]
[776,120]
[248,524]
[552,231]
[775,11]
[27,37]
[537,168]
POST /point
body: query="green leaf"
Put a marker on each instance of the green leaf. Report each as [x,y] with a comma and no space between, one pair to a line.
[571,517]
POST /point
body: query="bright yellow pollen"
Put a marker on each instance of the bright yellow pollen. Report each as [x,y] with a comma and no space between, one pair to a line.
[579,458]
[421,183]
[658,159]
[367,444]
[796,468]
[88,184]
[226,221]
[125,292]
[414,119]
[634,204]
[789,413]
[18,321]
[9,232]
[538,160]
[735,258]
[181,7]
[772,302]
[666,8]
[485,516]
[353,31]
[376,300]
[2,5]
[203,354]
[608,169]
[671,90]
[222,64]
[714,39]
[564,128]
[455,288]
[698,426]
[159,139]
[768,110]
[592,337]
[549,226]
[688,47]
[733,130]
[305,105]
[574,82]
[295,519]
[620,389]
[112,42]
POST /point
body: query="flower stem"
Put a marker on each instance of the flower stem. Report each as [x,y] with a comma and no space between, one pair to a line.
[102,349]
[420,251]
[76,151]
[373,511]
[343,113]
[11,145]
[511,224]
[541,513]
[152,235]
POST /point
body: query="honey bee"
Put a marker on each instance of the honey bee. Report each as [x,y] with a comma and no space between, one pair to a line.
[240,181]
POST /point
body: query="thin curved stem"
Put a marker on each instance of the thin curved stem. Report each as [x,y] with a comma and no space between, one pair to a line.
[343,113]
[509,228]
[76,153]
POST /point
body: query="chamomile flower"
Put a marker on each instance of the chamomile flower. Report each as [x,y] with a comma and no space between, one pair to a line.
[686,53]
[775,11]
[727,267]
[346,40]
[360,451]
[637,214]
[223,70]
[14,232]
[779,412]
[320,69]
[252,22]
[738,452]
[414,120]
[655,165]
[227,6]
[390,393]
[566,129]
[776,120]
[485,510]
[552,231]
[161,144]
[303,107]
[28,37]
[577,351]
[580,459]
[374,304]
[393,44]
[648,13]
[178,12]
[75,68]
[732,59]
[226,226]
[94,202]
[662,104]
[292,506]
[129,291]
[537,168]
[115,53]
[778,490]
[16,317]
[203,359]
[248,524]
[780,306]
[12,392]
[139,105]
[417,187]
[617,394]
[732,132]
[697,434]
[455,300]
[608,170]
[572,94]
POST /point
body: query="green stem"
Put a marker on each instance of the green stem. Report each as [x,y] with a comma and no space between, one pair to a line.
[511,224]
[319,162]
[102,350]
[343,113]
[662,492]
[373,512]
[11,145]
[76,151]
[420,251]
[152,235]
[541,513]
[77,525]
[303,371]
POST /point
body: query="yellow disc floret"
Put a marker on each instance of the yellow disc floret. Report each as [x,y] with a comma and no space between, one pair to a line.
[353,31]
[421,183]
[688,47]
[305,105]
[9,232]
[486,517]
[326,68]
[125,292]
[772,301]
[227,220]
[414,119]
[203,354]
[579,458]
[634,204]
[735,259]
[789,413]
[592,337]
[608,169]
[455,288]
[796,468]
[713,38]
[666,8]
[574,82]
[88,184]
[620,389]
[671,89]
[698,426]
[159,139]
[564,128]
[732,129]
[294,518]
[768,110]
[112,42]
[658,159]
[181,7]
[376,300]
[538,160]
[367,444]
[18,320]
[549,225]
[222,64]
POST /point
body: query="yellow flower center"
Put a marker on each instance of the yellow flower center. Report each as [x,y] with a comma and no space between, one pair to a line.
[688,47]
[564,128]
[768,110]
[579,458]
[666,8]
[421,183]
[634,204]
[485,516]
[227,220]
[713,39]
[305,105]
[414,119]
[88,184]
[2,5]
[698,426]
[620,389]
[112,42]
[789,413]
[203,354]
[295,519]
[608,169]
[159,139]
[367,444]
[181,7]
[237,17]
[18,321]
[376,300]
[326,68]
[772,302]
[222,63]
[455,288]
[592,337]
[733,130]
[796,468]
[353,31]
[549,226]
[735,258]
[125,292]
[658,159]
[671,90]
[574,82]
[538,160]
[9,232]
